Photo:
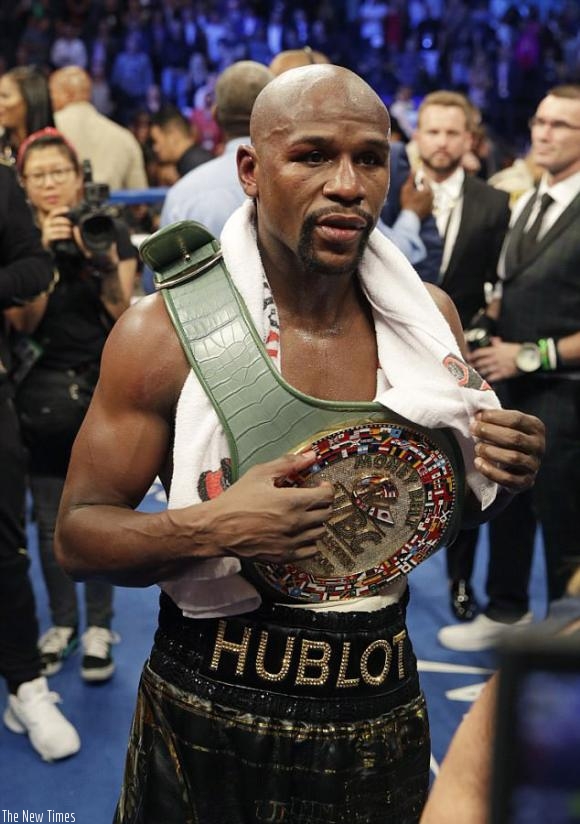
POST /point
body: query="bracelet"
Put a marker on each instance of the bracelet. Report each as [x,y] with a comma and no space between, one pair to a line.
[51,286]
[549,358]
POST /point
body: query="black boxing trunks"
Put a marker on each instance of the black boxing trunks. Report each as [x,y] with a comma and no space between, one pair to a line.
[281,715]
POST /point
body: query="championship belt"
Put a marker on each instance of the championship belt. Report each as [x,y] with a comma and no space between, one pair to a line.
[399,487]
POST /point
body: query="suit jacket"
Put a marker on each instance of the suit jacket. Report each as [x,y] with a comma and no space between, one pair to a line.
[484,221]
[428,268]
[541,298]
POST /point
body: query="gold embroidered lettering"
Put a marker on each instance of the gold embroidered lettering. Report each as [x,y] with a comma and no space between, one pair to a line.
[306,662]
[368,678]
[286,658]
[342,680]
[399,643]
[241,650]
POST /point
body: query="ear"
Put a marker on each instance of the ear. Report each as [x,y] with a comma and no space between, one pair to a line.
[247,166]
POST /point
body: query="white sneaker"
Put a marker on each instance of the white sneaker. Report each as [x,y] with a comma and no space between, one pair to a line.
[97,663]
[32,710]
[481,633]
[54,646]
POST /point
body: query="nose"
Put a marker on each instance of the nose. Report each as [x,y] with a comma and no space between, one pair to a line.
[344,182]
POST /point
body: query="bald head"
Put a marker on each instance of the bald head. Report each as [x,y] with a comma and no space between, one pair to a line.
[235,93]
[69,85]
[295,58]
[301,92]
[317,170]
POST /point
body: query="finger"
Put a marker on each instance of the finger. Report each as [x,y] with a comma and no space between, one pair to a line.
[289,556]
[286,465]
[529,437]
[518,462]
[307,532]
[517,443]
[512,419]
[501,476]
[311,498]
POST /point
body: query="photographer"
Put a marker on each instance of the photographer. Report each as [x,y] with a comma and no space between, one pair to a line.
[57,354]
[24,272]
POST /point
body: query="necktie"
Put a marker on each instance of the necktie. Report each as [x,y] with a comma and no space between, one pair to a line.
[530,238]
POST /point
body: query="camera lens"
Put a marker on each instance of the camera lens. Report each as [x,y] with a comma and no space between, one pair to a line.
[98,232]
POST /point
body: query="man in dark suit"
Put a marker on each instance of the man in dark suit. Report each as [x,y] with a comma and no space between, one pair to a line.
[428,267]
[472,219]
[536,359]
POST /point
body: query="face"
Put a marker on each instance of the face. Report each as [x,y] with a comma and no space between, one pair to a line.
[50,179]
[442,139]
[555,132]
[12,105]
[162,144]
[319,174]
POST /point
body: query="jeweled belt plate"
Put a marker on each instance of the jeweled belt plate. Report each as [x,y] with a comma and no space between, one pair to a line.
[397,495]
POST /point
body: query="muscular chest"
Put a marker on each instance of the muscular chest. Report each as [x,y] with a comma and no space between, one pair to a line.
[331,367]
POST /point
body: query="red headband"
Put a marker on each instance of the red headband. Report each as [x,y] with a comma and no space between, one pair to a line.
[49,131]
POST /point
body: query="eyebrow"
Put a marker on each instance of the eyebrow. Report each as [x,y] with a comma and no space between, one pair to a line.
[382,144]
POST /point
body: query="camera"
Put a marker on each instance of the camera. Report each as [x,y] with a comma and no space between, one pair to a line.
[93,217]
[477,338]
[478,333]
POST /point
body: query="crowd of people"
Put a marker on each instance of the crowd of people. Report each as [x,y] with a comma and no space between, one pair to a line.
[503,55]
[165,94]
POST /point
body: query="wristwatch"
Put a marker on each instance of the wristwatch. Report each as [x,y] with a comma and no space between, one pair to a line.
[529,358]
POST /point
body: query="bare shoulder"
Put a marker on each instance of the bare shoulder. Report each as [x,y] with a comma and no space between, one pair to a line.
[143,361]
[442,301]
[449,312]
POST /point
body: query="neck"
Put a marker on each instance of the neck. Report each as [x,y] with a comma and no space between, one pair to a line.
[319,302]
[557,177]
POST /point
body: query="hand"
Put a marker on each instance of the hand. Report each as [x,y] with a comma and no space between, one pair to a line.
[496,362]
[107,259]
[56,226]
[419,201]
[509,448]
[259,519]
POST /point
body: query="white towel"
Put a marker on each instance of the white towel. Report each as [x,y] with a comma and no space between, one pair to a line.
[428,383]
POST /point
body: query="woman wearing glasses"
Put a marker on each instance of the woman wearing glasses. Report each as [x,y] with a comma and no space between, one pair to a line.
[58,349]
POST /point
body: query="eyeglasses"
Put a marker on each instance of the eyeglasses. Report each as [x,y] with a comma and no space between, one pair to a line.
[555,125]
[58,176]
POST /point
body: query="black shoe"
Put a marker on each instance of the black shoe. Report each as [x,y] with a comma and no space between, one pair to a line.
[463,603]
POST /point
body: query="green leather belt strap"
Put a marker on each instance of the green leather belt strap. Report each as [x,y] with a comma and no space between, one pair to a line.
[261,414]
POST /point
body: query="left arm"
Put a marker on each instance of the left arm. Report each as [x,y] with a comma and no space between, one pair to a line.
[509,444]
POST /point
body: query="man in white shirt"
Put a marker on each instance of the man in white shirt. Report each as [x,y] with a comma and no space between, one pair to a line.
[472,219]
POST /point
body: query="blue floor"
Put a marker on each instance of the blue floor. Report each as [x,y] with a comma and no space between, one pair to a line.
[87,785]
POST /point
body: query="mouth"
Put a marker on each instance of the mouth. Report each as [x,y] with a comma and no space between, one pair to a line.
[341,228]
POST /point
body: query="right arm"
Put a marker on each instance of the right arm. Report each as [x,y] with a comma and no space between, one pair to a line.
[125,442]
